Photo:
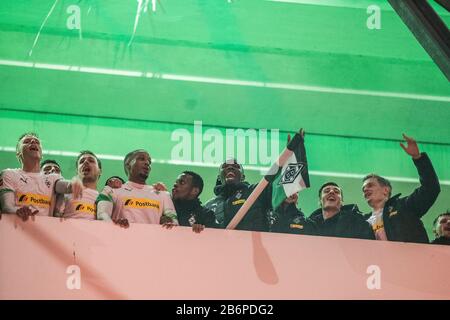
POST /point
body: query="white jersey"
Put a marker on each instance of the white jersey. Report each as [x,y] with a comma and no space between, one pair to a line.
[82,208]
[35,190]
[139,203]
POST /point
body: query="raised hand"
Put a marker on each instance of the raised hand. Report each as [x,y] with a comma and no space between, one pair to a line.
[411,147]
[292,199]
[301,132]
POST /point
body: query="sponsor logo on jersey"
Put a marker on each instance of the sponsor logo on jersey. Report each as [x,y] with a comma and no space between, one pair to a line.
[295,226]
[238,202]
[37,200]
[377,226]
[141,203]
[392,213]
[84,207]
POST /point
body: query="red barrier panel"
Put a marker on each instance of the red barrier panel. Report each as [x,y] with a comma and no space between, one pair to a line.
[51,258]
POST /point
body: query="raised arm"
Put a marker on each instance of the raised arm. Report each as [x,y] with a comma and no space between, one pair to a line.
[423,197]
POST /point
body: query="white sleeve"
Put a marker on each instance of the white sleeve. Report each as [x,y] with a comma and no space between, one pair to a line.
[60,205]
[8,180]
[63,186]
[104,210]
[8,202]
[169,208]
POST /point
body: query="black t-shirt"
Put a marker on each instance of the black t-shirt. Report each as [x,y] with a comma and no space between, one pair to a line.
[348,223]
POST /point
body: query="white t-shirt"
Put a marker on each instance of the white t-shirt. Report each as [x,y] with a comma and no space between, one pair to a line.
[376,221]
[139,203]
[33,189]
[82,208]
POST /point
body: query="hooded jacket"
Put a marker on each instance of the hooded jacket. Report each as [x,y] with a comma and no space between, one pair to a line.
[191,212]
[347,223]
[230,198]
[289,219]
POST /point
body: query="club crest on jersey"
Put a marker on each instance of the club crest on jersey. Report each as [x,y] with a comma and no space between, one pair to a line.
[24,180]
[47,183]
[192,220]
[291,173]
[297,220]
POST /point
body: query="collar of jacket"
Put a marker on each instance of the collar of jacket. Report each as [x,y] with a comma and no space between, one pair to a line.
[388,203]
[187,205]
[392,200]
[346,209]
[228,189]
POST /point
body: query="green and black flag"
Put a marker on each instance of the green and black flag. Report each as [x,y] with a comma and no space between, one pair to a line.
[288,175]
[292,175]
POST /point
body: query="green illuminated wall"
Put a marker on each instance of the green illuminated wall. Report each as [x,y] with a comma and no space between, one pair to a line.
[238,64]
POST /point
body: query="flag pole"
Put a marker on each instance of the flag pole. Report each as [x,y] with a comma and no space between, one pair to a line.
[288,151]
